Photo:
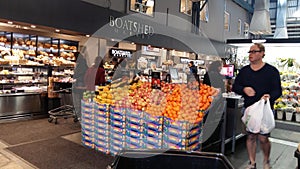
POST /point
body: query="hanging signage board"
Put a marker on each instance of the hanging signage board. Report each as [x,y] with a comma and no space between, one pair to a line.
[120,53]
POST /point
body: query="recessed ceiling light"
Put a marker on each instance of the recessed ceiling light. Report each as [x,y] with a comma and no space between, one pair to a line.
[87,35]
[25,27]
[132,43]
[57,30]
[32,26]
[9,22]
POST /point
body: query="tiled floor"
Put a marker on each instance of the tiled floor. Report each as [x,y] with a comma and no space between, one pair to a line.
[282,153]
[9,160]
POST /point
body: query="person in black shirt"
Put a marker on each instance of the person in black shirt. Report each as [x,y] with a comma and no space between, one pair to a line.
[193,70]
[256,81]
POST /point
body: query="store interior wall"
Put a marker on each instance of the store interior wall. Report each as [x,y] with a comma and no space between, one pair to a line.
[75,15]
[126,45]
[110,4]
[166,12]
[236,13]
[174,16]
[214,28]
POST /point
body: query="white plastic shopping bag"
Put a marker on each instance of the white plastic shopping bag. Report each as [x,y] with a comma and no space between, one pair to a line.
[268,121]
[253,116]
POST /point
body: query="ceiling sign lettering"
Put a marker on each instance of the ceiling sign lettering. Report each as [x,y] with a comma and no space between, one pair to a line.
[131,27]
[121,53]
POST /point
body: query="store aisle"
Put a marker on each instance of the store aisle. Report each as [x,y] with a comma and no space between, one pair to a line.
[282,152]
[39,144]
[57,147]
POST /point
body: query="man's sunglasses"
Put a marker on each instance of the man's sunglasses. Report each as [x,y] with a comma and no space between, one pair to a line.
[254,51]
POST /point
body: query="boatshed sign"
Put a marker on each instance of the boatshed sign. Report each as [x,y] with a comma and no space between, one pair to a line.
[120,53]
[130,27]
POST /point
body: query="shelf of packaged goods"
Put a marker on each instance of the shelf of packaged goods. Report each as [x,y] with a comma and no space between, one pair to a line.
[4,45]
[20,94]
[54,50]
[62,75]
[17,74]
[48,50]
[23,47]
[61,67]
[23,83]
[67,50]
[24,66]
[59,75]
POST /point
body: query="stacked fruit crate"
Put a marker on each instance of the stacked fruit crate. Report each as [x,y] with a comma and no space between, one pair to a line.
[117,129]
[87,123]
[110,129]
[134,129]
[153,131]
[102,126]
[182,135]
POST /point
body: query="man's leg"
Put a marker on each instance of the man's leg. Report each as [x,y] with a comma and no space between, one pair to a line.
[251,147]
[265,146]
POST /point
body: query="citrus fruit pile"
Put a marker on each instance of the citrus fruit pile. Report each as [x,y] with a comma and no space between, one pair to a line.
[187,102]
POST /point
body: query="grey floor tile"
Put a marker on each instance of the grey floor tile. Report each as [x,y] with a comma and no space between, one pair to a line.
[281,157]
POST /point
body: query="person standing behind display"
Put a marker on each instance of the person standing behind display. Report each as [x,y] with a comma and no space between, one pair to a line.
[115,64]
[193,70]
[79,87]
[213,77]
[79,71]
[95,75]
[258,80]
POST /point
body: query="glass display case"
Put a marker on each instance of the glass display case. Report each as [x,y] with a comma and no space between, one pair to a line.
[27,62]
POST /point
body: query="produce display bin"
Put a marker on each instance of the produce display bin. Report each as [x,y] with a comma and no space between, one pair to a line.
[171,159]
[297,155]
[111,129]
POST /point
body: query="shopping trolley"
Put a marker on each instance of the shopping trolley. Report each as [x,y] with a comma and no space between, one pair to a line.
[67,109]
[175,159]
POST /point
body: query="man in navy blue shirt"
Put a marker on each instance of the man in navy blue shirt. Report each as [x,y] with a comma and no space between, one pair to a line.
[258,80]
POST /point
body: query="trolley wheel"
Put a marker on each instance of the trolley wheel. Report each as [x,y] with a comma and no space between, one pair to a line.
[50,119]
[55,121]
